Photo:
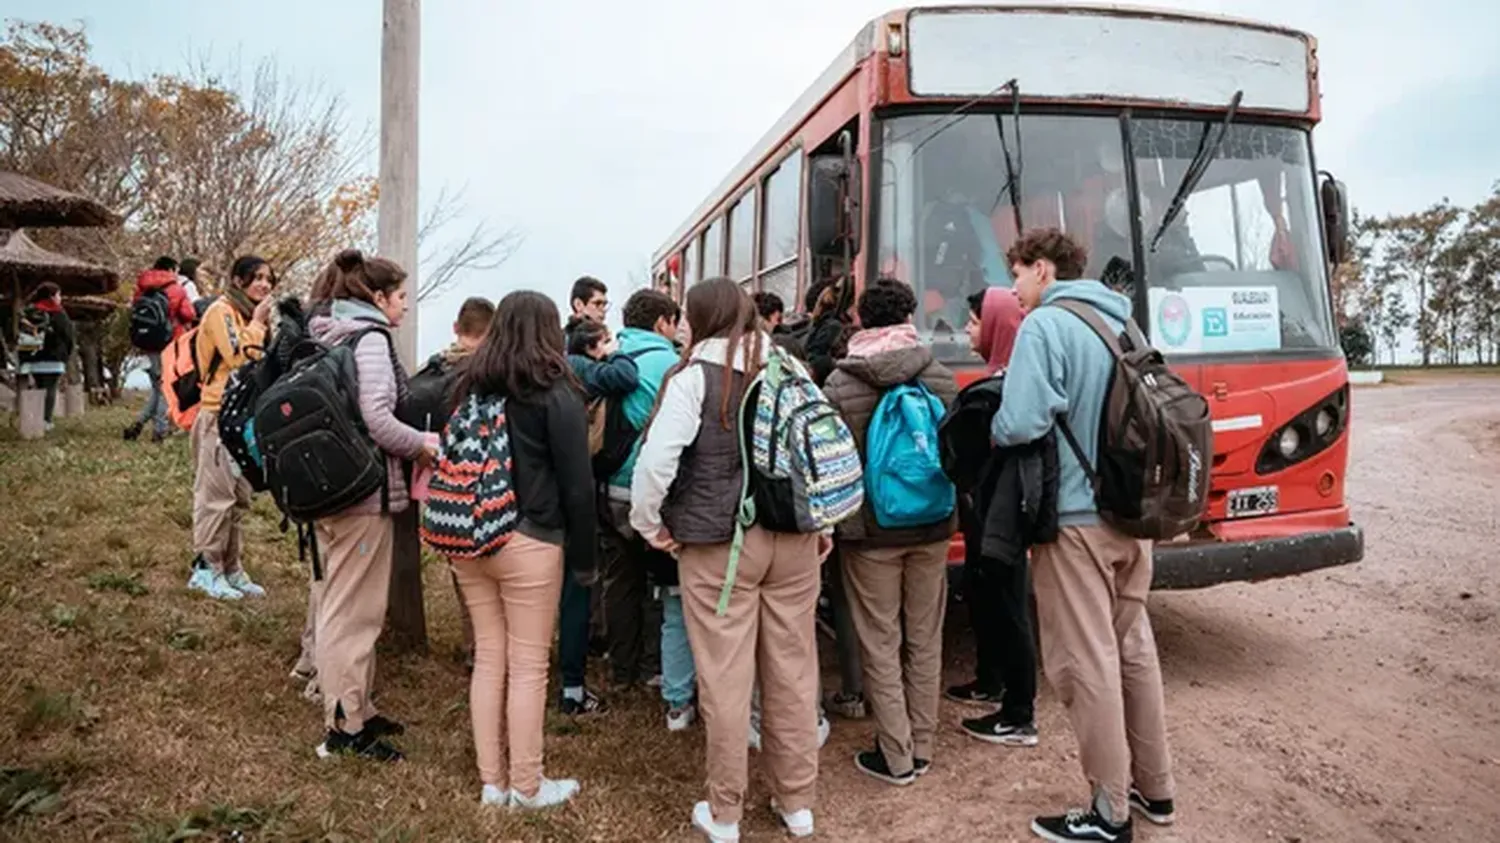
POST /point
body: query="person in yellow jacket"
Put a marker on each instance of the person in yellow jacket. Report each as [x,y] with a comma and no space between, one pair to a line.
[232,333]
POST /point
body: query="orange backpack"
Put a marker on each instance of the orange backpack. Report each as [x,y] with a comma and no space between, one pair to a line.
[181,385]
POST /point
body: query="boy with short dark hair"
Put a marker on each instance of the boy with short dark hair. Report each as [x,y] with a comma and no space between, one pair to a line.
[1098,649]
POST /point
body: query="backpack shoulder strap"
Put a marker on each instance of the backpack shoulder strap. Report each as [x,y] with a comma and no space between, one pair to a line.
[1090,315]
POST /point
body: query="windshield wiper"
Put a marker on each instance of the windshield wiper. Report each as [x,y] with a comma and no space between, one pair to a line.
[1012,167]
[1196,168]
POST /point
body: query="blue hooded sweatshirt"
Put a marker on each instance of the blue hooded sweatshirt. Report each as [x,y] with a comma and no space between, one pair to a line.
[654,355]
[1060,365]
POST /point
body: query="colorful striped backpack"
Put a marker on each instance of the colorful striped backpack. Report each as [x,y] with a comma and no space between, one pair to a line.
[471,508]
[803,472]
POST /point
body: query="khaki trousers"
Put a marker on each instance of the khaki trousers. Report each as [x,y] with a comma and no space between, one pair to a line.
[898,597]
[512,599]
[769,630]
[221,497]
[1100,656]
[356,556]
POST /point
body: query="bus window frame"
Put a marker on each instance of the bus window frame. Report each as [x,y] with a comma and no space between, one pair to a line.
[762,182]
[751,193]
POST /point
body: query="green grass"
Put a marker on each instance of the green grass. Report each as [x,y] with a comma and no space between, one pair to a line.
[133,709]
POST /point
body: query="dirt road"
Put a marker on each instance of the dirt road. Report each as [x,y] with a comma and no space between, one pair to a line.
[1357,704]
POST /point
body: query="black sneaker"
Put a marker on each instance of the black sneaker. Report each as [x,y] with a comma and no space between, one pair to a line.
[382,726]
[363,744]
[992,729]
[1081,825]
[158,437]
[1155,811]
[133,432]
[920,766]
[873,764]
[590,704]
[973,694]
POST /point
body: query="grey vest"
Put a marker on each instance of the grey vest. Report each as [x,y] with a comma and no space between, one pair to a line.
[701,504]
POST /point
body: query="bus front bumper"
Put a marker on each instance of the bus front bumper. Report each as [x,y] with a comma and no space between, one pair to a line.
[1201,564]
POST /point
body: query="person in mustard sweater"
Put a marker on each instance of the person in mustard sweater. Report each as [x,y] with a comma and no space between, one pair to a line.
[232,333]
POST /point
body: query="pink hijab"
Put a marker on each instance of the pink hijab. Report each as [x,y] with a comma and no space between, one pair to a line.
[999,320]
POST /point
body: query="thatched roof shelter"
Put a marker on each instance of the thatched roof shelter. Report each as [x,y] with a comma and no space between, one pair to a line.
[89,308]
[24,265]
[28,203]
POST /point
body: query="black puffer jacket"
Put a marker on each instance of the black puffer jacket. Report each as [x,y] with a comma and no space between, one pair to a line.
[1013,492]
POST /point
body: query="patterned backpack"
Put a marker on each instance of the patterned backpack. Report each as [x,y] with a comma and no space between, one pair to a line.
[803,472]
[471,508]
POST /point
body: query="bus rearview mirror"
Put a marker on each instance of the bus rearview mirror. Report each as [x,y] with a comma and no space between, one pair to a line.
[1335,201]
[833,193]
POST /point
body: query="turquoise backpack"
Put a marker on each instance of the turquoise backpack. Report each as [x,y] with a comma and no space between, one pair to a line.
[904,481]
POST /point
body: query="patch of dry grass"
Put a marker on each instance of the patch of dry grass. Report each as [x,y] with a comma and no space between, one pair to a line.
[132,709]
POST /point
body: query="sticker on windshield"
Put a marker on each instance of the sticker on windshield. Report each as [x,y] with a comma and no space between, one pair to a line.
[1205,320]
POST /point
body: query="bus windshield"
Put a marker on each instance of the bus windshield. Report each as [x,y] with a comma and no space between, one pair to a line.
[1238,270]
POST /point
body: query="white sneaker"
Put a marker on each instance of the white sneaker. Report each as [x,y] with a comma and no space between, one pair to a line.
[549,794]
[240,581]
[213,584]
[824,730]
[678,719]
[716,832]
[798,823]
[494,797]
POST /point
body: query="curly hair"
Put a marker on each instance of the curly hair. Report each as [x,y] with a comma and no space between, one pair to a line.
[886,302]
[1061,249]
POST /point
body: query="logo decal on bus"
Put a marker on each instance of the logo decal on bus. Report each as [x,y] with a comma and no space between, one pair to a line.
[1216,321]
[1176,320]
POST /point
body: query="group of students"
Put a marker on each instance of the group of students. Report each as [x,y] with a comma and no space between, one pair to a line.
[532,404]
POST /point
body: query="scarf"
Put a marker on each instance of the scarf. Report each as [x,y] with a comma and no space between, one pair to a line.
[240,300]
[48,306]
[873,341]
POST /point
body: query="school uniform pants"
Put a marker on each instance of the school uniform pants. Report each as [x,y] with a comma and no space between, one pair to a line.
[355,551]
[1100,656]
[767,631]
[221,497]
[630,617]
[897,598]
[512,599]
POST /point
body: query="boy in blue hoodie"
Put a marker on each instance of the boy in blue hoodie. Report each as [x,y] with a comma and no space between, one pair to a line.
[631,566]
[1091,584]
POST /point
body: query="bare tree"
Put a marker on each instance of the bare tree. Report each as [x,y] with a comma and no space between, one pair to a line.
[443,259]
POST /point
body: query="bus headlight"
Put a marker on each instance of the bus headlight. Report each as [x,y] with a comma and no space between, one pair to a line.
[1312,432]
[1288,443]
[1324,423]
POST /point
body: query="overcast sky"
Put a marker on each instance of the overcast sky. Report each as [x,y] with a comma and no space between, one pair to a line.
[597,127]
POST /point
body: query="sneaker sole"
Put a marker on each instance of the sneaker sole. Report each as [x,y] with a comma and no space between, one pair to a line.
[807,831]
[1162,820]
[967,701]
[1055,838]
[888,779]
[679,726]
[1019,741]
[713,838]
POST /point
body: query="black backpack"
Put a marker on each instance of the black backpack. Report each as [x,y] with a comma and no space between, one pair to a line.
[237,407]
[964,436]
[620,435]
[151,322]
[1155,439]
[429,396]
[318,457]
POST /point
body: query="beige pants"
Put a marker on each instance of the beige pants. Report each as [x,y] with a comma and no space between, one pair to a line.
[221,497]
[308,660]
[356,556]
[769,629]
[1100,656]
[512,599]
[892,588]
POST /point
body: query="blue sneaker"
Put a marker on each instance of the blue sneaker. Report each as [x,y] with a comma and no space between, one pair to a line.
[212,583]
[240,581]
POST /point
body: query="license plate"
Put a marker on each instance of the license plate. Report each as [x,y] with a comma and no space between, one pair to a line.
[1244,503]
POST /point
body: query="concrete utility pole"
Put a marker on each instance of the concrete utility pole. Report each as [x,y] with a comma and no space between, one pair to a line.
[396,230]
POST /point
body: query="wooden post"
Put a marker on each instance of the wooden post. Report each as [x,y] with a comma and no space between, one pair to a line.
[396,231]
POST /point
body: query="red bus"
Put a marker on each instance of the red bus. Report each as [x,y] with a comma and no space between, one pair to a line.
[1176,147]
